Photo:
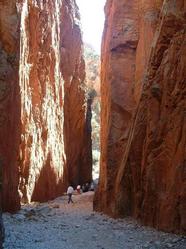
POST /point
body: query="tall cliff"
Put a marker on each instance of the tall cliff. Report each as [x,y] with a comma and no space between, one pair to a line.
[143,122]
[10,101]
[45,126]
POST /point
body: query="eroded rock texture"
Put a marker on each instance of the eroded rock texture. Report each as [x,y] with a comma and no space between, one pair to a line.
[143,129]
[49,142]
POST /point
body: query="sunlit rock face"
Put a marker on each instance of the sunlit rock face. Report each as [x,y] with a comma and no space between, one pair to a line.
[143,154]
[47,103]
[77,109]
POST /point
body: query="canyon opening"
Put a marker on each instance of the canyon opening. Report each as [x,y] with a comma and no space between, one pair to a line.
[69,106]
[92,29]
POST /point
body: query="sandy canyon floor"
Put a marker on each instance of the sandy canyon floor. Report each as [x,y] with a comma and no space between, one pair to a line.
[58,225]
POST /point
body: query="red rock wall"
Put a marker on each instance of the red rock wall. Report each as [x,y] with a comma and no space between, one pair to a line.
[53,146]
[119,46]
[148,13]
[10,102]
[77,123]
[147,178]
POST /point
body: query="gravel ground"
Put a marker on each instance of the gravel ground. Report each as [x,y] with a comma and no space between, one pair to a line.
[58,225]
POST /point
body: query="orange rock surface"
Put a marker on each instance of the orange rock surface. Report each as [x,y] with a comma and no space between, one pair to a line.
[143,127]
[120,40]
[45,125]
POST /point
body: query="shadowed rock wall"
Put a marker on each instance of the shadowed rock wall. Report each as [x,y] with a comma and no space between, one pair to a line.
[46,101]
[143,154]
[119,46]
[10,102]
[1,221]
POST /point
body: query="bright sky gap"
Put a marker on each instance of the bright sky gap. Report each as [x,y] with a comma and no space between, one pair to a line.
[92,19]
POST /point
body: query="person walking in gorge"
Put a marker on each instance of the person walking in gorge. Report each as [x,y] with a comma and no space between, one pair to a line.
[70,191]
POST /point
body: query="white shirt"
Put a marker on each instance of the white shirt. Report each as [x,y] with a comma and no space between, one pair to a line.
[70,190]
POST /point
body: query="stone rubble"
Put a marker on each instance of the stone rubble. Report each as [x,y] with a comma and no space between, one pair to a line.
[58,225]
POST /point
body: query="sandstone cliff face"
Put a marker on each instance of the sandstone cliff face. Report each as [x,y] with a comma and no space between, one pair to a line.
[77,112]
[143,165]
[117,102]
[10,101]
[49,134]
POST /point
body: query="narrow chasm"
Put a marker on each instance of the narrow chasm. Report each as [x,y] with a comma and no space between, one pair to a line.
[93,145]
[92,67]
